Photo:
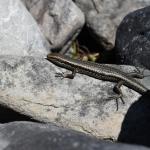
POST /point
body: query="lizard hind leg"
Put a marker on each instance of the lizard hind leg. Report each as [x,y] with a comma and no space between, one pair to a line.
[138,73]
[118,91]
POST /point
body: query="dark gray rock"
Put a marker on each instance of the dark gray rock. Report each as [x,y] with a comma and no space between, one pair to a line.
[133,39]
[60,21]
[33,136]
[104,16]
[19,33]
[28,85]
[135,127]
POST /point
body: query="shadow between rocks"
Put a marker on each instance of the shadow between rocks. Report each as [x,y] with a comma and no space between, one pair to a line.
[8,115]
[136,125]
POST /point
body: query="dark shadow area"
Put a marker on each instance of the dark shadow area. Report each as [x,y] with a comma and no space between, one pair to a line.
[86,39]
[136,125]
[9,115]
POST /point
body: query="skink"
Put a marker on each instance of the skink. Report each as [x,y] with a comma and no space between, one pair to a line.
[98,71]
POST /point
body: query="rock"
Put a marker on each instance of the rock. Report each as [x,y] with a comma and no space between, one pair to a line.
[60,21]
[132,40]
[103,17]
[135,127]
[28,85]
[19,33]
[34,136]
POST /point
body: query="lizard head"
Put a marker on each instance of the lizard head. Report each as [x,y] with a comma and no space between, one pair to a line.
[56,58]
[53,57]
[60,60]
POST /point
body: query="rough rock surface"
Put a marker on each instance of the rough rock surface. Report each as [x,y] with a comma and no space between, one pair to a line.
[104,16]
[33,136]
[19,33]
[133,39]
[29,86]
[60,21]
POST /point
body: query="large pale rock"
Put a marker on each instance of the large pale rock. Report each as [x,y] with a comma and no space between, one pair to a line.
[60,21]
[19,33]
[104,16]
[29,86]
[33,136]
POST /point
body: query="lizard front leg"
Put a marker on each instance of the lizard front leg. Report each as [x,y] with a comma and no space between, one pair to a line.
[66,75]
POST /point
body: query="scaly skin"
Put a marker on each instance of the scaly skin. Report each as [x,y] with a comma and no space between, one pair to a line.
[98,71]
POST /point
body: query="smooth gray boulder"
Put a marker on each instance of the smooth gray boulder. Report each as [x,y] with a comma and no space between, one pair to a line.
[103,17]
[35,136]
[29,86]
[19,33]
[60,21]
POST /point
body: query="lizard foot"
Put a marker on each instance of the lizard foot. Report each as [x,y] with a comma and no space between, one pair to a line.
[60,75]
[117,97]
